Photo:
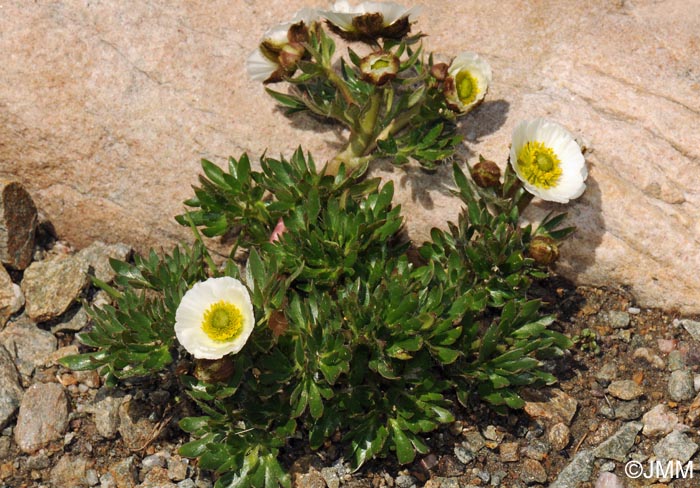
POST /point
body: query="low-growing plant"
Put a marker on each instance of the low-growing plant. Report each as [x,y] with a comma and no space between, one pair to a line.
[334,325]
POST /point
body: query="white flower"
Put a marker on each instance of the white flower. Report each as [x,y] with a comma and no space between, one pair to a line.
[370,20]
[469,77]
[215,318]
[281,48]
[548,160]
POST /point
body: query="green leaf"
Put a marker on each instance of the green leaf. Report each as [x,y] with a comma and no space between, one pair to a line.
[405,453]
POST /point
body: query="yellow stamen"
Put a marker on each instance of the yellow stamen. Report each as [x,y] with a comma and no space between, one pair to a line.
[467,87]
[539,165]
[222,322]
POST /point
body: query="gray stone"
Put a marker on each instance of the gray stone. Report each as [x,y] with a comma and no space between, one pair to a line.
[91,477]
[616,319]
[693,328]
[675,360]
[27,344]
[537,450]
[157,478]
[532,472]
[152,461]
[53,285]
[508,452]
[578,471]
[38,461]
[628,410]
[70,471]
[43,416]
[473,441]
[10,390]
[617,446]
[681,385]
[177,468]
[659,421]
[649,357]
[188,483]
[105,409]
[18,217]
[625,389]
[675,446]
[405,481]
[74,323]
[558,407]
[135,426]
[7,297]
[559,436]
[124,473]
[97,256]
[609,480]
[463,455]
[107,481]
[606,373]
[5,447]
[330,476]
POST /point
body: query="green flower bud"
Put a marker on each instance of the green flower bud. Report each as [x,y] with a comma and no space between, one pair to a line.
[379,68]
[544,250]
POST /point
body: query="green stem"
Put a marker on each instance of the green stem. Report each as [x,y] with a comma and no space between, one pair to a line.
[362,139]
[340,85]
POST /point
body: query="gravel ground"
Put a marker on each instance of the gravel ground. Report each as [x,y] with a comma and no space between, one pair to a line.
[627,398]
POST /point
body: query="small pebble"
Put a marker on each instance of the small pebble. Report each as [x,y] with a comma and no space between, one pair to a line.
[659,421]
[463,455]
[533,472]
[509,452]
[625,389]
[648,356]
[634,310]
[186,483]
[666,345]
[91,477]
[681,385]
[559,436]
[675,360]
[606,374]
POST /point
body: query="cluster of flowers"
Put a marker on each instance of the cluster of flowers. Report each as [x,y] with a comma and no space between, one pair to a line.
[215,317]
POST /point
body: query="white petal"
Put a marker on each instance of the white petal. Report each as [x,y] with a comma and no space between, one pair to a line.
[259,66]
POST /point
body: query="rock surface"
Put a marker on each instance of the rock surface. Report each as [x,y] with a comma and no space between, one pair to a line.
[51,286]
[18,217]
[28,345]
[10,389]
[107,108]
[43,416]
[7,296]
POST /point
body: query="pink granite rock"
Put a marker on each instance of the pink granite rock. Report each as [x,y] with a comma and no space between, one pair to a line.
[107,107]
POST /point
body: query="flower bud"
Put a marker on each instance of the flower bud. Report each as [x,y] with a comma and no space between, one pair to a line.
[486,174]
[214,371]
[439,71]
[379,68]
[544,250]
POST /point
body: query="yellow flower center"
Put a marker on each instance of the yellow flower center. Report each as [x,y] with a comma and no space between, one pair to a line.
[467,87]
[223,322]
[539,165]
